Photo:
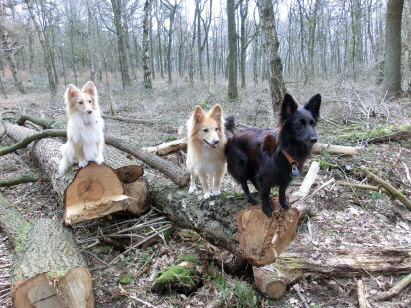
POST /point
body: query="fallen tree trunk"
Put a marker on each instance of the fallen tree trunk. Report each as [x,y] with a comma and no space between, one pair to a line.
[181,144]
[98,199]
[227,220]
[378,135]
[47,265]
[273,279]
[25,136]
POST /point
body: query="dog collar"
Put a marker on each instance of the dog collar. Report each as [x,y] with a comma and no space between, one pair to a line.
[294,164]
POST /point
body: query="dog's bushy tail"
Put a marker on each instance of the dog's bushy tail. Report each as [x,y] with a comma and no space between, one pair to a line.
[229,125]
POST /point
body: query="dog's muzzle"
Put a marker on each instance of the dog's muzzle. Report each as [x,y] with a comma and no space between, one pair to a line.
[212,145]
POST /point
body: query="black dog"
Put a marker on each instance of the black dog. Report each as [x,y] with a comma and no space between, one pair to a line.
[270,157]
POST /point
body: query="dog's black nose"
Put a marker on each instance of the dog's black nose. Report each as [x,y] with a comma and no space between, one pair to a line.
[89,111]
[313,139]
[216,141]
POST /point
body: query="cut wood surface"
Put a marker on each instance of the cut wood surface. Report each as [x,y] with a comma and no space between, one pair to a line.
[47,266]
[293,265]
[95,192]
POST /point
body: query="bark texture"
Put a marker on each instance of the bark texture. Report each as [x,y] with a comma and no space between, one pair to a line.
[48,269]
[277,86]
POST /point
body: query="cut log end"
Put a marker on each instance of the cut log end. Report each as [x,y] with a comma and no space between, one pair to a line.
[263,238]
[54,290]
[96,191]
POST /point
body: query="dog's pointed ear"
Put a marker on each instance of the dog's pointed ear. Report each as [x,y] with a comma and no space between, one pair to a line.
[313,106]
[71,91]
[198,114]
[90,88]
[288,107]
[217,112]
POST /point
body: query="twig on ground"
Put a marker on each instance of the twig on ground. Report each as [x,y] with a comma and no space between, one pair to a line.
[393,191]
[395,290]
[141,301]
[25,178]
[361,295]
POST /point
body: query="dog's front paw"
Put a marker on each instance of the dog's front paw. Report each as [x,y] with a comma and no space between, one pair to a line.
[192,189]
[216,192]
[99,161]
[82,164]
[208,194]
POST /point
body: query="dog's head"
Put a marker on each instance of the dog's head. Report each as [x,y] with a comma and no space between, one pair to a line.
[299,123]
[207,128]
[84,100]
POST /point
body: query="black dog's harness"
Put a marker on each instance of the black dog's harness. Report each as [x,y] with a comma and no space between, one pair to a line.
[293,163]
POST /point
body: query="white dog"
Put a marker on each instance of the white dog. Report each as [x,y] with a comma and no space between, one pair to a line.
[85,126]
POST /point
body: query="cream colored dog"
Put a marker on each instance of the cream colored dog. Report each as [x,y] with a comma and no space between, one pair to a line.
[85,126]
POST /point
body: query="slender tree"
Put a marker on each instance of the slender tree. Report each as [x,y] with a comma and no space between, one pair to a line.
[172,13]
[48,58]
[392,66]
[146,45]
[9,51]
[232,50]
[120,21]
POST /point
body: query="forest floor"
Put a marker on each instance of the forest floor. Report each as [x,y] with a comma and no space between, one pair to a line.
[340,217]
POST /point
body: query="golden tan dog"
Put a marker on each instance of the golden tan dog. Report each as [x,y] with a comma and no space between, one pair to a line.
[205,149]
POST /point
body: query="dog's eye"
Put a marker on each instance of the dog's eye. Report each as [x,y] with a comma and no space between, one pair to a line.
[89,101]
[205,130]
[216,129]
[80,102]
[302,122]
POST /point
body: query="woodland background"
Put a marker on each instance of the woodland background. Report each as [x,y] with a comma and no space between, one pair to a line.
[156,59]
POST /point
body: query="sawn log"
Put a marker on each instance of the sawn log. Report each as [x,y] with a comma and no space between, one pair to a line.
[273,279]
[48,269]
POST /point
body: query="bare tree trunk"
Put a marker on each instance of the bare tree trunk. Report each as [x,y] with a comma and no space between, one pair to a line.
[121,33]
[173,9]
[146,45]
[48,59]
[243,40]
[8,50]
[232,50]
[277,86]
[392,63]
[191,52]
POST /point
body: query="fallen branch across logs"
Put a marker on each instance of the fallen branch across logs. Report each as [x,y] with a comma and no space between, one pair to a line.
[181,144]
